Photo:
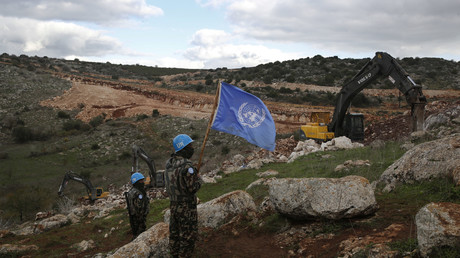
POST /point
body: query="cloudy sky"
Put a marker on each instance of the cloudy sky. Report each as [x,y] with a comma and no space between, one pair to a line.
[227,33]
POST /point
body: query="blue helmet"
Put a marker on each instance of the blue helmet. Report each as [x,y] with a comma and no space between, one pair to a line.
[181,141]
[136,177]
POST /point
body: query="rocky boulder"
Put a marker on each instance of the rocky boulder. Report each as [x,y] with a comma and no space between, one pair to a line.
[310,146]
[37,227]
[425,161]
[340,143]
[9,249]
[55,221]
[220,210]
[151,243]
[438,224]
[352,163]
[446,118]
[84,245]
[331,198]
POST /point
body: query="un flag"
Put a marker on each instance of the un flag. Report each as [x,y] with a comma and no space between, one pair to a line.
[243,114]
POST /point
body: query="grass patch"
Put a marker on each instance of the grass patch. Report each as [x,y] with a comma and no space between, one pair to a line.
[403,246]
[273,223]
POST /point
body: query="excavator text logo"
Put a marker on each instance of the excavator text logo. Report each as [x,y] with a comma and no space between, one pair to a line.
[367,76]
[251,115]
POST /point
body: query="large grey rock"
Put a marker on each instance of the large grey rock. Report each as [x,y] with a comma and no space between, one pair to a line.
[332,198]
[220,210]
[339,143]
[438,158]
[55,221]
[435,120]
[438,224]
[151,243]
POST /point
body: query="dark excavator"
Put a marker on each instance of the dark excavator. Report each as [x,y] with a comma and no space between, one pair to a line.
[94,193]
[351,125]
[155,178]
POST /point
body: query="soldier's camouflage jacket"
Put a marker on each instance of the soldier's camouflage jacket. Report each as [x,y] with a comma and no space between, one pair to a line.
[182,180]
[138,203]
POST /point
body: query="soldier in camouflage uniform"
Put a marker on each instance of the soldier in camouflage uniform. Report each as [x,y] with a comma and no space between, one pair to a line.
[138,204]
[182,183]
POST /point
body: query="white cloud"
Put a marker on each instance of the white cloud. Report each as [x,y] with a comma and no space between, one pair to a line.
[214,48]
[407,28]
[55,39]
[101,12]
[208,37]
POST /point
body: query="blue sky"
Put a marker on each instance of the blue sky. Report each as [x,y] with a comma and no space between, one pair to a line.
[227,33]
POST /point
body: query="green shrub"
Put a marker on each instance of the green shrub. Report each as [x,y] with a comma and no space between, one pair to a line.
[95,146]
[96,121]
[62,114]
[141,117]
[155,113]
[225,150]
[74,125]
[22,134]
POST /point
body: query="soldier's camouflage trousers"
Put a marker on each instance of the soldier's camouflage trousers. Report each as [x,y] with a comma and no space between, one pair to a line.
[138,225]
[183,228]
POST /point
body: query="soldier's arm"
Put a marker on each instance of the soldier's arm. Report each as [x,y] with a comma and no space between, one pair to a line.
[192,180]
[132,207]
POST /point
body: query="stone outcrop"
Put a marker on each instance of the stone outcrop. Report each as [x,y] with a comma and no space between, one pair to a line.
[84,245]
[435,159]
[55,221]
[446,118]
[151,243]
[331,198]
[352,163]
[310,146]
[220,210]
[7,249]
[438,224]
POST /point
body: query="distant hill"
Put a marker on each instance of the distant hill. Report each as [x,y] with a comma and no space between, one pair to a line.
[431,73]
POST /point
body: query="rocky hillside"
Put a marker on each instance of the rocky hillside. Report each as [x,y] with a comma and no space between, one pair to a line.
[56,116]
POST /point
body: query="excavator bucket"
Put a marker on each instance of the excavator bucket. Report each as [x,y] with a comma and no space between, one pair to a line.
[418,117]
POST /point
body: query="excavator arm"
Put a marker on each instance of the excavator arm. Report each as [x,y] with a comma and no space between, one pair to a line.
[381,65]
[155,177]
[93,193]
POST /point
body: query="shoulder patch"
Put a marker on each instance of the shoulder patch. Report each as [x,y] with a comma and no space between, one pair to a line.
[140,196]
[191,171]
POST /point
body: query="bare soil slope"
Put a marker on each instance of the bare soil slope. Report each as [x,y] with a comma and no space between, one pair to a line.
[127,98]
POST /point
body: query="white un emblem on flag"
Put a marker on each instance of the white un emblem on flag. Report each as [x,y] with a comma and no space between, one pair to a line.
[251,115]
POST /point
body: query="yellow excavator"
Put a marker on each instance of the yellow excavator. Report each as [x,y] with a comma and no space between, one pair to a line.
[94,193]
[351,125]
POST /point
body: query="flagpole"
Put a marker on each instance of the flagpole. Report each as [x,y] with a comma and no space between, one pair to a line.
[209,125]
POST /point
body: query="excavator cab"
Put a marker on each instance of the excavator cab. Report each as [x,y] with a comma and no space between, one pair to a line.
[99,193]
